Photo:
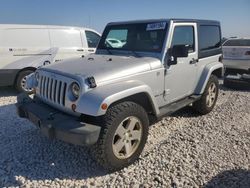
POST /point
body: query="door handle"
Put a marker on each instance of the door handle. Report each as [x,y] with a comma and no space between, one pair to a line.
[91,50]
[194,61]
[80,50]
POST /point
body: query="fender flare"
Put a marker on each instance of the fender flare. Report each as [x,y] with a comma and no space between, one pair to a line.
[90,102]
[207,71]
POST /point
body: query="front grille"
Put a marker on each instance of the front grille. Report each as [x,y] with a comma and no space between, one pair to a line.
[52,90]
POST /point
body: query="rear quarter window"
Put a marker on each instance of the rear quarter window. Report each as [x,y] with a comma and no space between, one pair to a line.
[209,40]
[237,42]
[209,37]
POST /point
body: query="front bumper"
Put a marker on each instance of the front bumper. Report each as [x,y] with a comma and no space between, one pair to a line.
[56,124]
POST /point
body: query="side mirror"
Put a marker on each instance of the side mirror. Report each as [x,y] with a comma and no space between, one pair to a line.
[180,51]
[177,51]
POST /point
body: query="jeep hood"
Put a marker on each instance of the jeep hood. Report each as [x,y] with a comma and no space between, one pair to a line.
[104,67]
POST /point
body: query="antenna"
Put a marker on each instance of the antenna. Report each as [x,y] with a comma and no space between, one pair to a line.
[89,21]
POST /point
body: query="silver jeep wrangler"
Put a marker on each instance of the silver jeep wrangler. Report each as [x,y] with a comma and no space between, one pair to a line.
[141,71]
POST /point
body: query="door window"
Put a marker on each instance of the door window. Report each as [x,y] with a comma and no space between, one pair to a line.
[92,39]
[184,35]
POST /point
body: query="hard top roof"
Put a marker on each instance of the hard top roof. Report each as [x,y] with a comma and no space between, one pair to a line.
[199,21]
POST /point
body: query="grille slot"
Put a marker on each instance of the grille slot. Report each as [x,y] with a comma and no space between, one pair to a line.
[52,90]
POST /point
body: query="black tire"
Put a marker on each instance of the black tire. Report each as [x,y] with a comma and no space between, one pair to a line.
[201,105]
[19,79]
[103,151]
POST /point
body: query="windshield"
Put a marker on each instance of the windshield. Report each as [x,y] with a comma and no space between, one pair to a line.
[147,37]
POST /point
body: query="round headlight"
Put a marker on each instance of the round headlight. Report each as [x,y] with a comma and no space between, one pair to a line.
[37,76]
[75,89]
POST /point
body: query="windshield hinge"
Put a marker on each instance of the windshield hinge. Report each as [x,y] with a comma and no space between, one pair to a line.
[165,72]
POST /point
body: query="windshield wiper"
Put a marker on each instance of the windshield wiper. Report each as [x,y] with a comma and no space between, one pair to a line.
[135,53]
[108,50]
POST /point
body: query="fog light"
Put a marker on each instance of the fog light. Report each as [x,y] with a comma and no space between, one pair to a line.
[37,76]
[73,107]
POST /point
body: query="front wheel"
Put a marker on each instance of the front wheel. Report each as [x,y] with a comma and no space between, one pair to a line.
[208,99]
[123,136]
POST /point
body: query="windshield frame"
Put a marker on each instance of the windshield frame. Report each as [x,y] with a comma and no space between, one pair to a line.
[101,45]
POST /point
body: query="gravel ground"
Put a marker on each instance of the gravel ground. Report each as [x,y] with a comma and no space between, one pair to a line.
[183,150]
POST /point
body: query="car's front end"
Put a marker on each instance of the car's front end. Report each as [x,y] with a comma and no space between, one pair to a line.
[72,96]
[52,109]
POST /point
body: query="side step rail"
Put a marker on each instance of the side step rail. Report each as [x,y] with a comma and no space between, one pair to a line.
[173,107]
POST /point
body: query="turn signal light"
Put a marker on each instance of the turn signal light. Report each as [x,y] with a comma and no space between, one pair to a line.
[104,106]
[73,107]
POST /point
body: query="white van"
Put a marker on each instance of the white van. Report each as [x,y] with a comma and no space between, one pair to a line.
[24,48]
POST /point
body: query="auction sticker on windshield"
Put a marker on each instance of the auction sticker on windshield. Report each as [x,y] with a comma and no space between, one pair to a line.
[156,26]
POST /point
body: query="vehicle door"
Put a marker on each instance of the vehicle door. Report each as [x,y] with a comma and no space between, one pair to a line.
[66,43]
[180,77]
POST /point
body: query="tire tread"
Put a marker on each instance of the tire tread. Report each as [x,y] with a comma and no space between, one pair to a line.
[200,105]
[99,149]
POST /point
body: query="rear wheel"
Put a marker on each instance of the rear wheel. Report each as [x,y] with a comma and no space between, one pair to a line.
[21,81]
[208,99]
[123,136]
